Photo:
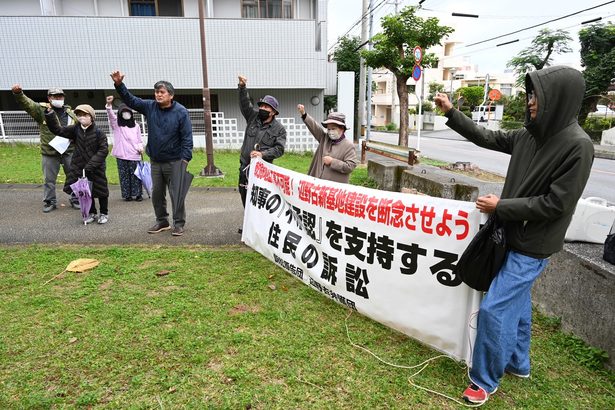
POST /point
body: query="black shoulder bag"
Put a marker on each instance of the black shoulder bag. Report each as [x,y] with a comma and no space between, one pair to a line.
[609,246]
[484,256]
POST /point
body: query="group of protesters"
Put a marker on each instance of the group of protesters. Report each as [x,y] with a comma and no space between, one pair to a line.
[169,146]
[551,159]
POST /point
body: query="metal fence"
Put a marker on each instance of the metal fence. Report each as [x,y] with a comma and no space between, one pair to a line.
[19,126]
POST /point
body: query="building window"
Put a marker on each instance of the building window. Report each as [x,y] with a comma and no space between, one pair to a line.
[170,8]
[272,9]
[506,89]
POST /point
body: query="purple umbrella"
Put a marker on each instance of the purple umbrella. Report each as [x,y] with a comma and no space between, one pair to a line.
[83,191]
[144,173]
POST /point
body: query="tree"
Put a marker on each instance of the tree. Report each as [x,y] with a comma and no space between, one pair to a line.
[515,106]
[347,59]
[472,96]
[540,53]
[393,49]
[598,58]
[434,88]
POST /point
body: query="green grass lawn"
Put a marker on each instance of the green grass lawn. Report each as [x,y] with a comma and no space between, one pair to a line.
[21,164]
[228,329]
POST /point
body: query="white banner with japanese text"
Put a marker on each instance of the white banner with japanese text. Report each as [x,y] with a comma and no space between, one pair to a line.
[384,254]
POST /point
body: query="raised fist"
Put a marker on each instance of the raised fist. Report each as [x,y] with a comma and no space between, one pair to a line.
[301,109]
[117,77]
[16,88]
[242,81]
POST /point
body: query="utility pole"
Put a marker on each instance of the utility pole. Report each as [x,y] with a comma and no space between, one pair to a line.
[361,109]
[369,73]
[210,169]
[394,80]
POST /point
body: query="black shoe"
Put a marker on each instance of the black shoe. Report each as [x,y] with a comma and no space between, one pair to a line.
[139,198]
[75,205]
[159,227]
[48,207]
[177,231]
[128,199]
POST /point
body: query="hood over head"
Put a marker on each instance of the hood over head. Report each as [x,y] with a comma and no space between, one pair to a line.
[121,121]
[559,92]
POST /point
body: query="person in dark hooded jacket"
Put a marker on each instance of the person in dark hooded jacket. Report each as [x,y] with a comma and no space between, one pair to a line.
[551,159]
[91,150]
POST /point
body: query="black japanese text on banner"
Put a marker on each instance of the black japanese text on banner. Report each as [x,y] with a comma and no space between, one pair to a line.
[387,255]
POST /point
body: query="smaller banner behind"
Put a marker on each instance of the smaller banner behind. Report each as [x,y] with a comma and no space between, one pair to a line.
[384,254]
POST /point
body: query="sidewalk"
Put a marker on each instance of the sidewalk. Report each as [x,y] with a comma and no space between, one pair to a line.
[604,151]
[213,216]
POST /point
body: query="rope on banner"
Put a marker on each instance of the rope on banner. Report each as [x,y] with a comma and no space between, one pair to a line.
[424,365]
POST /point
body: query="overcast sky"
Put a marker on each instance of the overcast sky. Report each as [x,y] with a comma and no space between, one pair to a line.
[496,17]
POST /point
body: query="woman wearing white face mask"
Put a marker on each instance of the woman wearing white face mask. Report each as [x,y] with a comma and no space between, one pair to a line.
[127,148]
[336,157]
[90,154]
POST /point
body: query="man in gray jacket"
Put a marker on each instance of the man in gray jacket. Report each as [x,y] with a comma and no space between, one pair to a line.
[551,159]
[264,137]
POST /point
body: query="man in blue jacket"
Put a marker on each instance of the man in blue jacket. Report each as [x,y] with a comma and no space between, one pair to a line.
[169,147]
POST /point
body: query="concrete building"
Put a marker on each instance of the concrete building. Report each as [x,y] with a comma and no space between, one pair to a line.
[452,73]
[279,45]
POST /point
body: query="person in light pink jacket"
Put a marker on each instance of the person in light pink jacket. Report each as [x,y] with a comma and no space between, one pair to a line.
[127,148]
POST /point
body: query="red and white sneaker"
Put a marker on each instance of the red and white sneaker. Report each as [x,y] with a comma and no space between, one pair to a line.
[476,395]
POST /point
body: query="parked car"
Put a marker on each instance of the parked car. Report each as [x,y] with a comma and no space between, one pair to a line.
[602,111]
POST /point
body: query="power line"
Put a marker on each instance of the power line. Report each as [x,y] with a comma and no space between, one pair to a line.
[541,24]
[376,7]
[478,51]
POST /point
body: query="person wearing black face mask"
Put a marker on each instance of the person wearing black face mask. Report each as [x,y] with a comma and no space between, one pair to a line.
[127,148]
[264,137]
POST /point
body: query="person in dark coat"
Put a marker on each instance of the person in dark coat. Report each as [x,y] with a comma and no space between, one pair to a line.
[265,137]
[91,150]
[550,161]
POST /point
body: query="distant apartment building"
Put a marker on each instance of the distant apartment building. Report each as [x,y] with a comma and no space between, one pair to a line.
[452,73]
[279,45]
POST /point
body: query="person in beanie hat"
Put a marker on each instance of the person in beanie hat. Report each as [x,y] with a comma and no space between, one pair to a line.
[336,157]
[51,159]
[265,137]
[91,151]
[127,149]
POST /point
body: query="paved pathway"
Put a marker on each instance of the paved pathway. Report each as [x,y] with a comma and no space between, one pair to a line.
[213,217]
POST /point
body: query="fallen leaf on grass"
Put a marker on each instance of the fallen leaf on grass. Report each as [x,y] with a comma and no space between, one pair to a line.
[172,389]
[163,273]
[284,288]
[270,276]
[81,265]
[72,340]
[272,287]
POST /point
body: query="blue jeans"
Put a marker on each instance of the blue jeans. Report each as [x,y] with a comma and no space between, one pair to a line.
[504,322]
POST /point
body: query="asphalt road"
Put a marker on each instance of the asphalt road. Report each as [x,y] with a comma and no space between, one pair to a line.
[447,145]
[212,218]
